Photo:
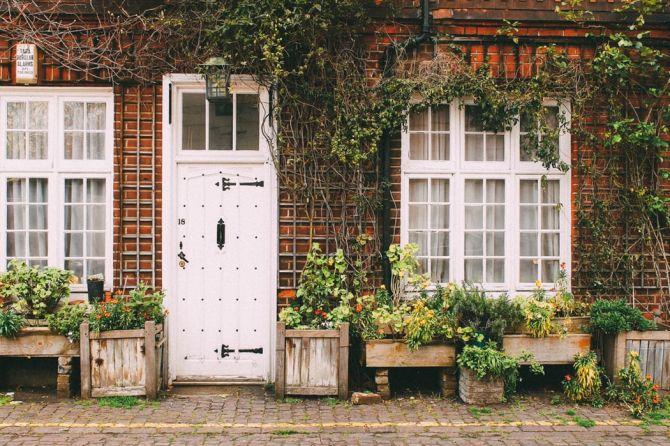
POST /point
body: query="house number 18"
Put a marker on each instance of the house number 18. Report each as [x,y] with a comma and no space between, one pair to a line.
[181,221]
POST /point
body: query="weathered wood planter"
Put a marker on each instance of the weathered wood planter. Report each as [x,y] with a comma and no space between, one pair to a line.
[40,342]
[482,392]
[553,349]
[388,353]
[654,350]
[312,362]
[122,362]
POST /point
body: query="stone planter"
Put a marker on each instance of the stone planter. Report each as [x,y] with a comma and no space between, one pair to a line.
[388,353]
[34,341]
[481,392]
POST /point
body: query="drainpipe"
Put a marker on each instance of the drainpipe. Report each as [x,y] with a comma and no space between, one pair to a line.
[387,64]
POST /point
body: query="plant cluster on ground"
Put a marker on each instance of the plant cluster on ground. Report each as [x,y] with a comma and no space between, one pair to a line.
[634,391]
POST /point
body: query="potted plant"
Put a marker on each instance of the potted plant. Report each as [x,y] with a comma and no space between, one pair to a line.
[122,343]
[28,297]
[487,375]
[621,329]
[553,328]
[95,284]
[313,331]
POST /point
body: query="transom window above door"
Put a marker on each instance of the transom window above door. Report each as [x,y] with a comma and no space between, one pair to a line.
[224,125]
[477,206]
[56,178]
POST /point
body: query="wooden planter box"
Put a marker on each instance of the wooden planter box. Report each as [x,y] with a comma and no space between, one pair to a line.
[122,362]
[481,392]
[40,342]
[553,349]
[654,350]
[312,362]
[388,353]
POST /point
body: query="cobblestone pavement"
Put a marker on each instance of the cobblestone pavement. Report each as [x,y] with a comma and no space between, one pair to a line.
[251,417]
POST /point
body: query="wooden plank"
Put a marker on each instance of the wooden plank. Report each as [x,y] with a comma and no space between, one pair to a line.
[389,353]
[304,364]
[343,362]
[316,391]
[38,342]
[118,334]
[118,391]
[139,377]
[665,381]
[85,358]
[94,363]
[280,361]
[312,333]
[644,348]
[151,378]
[119,365]
[128,362]
[651,348]
[552,349]
[658,363]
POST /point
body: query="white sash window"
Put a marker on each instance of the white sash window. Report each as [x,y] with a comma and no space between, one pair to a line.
[477,205]
[56,163]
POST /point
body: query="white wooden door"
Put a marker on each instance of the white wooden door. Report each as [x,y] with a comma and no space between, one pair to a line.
[223,273]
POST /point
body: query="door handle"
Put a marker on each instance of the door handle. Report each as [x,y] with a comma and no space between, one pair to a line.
[220,233]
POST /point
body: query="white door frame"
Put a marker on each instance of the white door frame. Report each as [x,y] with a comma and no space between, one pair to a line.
[171,158]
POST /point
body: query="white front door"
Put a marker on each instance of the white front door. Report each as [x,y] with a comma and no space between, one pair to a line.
[223,295]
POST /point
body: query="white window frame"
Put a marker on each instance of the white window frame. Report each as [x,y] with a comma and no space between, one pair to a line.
[56,169]
[512,170]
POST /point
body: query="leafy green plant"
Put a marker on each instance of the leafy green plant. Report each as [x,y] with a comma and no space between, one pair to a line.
[586,384]
[67,320]
[35,291]
[489,362]
[539,317]
[128,313]
[10,323]
[637,393]
[614,316]
[120,402]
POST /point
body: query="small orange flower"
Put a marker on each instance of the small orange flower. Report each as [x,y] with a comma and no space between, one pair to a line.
[648,377]
[655,387]
[296,309]
[359,308]
[563,265]
[107,315]
[568,378]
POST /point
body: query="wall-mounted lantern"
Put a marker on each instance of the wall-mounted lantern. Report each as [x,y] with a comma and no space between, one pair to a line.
[217,79]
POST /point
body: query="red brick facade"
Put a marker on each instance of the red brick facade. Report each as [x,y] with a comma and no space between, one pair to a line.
[138,120]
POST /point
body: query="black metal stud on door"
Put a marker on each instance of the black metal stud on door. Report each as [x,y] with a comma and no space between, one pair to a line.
[220,233]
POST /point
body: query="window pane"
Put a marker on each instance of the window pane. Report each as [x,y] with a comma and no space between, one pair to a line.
[74,245]
[247,122]
[95,244]
[495,217]
[418,216]
[473,270]
[95,217]
[528,191]
[193,121]
[495,271]
[439,270]
[77,267]
[495,148]
[16,190]
[418,120]
[474,191]
[474,147]
[74,145]
[550,245]
[95,115]
[440,118]
[472,118]
[73,115]
[95,190]
[550,217]
[221,124]
[528,217]
[528,271]
[37,244]
[37,116]
[37,145]
[474,217]
[528,244]
[95,267]
[495,244]
[16,216]
[549,271]
[418,146]
[440,146]
[551,192]
[439,190]
[439,244]
[37,216]
[495,191]
[16,145]
[418,190]
[74,217]
[420,239]
[74,191]
[16,115]
[95,146]
[439,216]
[16,244]
[474,244]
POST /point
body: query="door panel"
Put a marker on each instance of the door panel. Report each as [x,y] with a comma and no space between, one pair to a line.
[223,277]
